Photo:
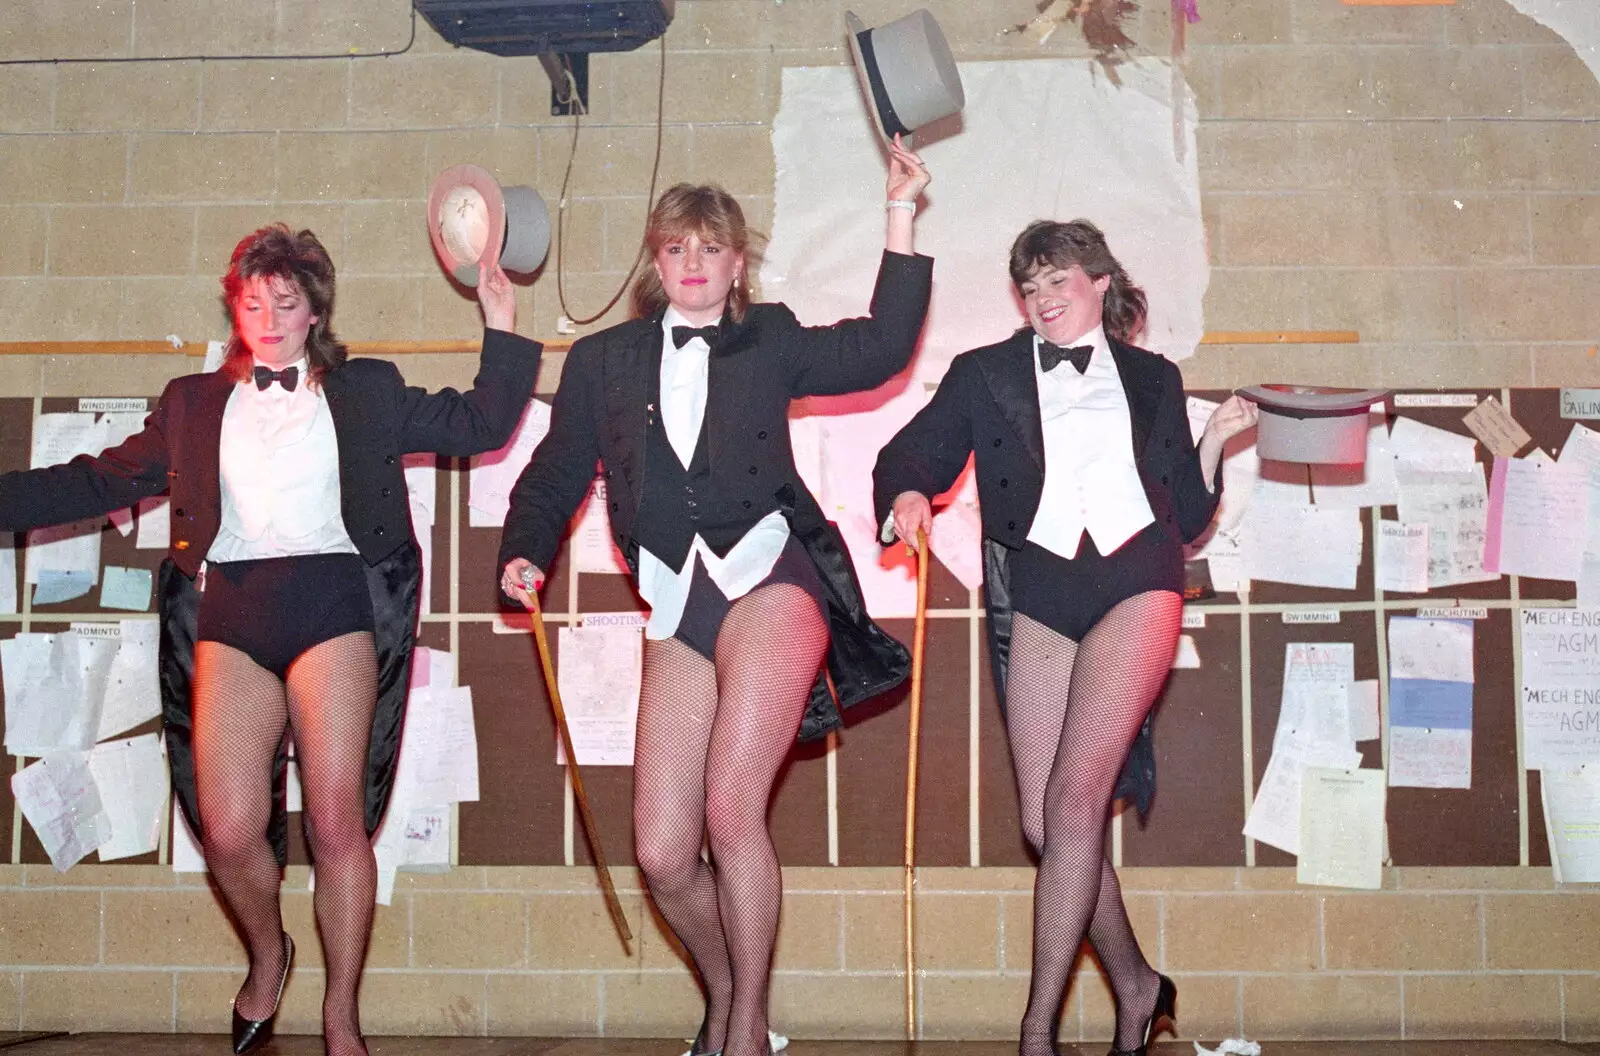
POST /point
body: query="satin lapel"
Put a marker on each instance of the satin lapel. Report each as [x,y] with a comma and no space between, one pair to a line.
[727,384]
[1009,375]
[204,431]
[628,358]
[339,409]
[1143,388]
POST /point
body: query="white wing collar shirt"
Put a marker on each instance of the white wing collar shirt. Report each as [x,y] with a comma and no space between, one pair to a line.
[685,376]
[279,468]
[1091,483]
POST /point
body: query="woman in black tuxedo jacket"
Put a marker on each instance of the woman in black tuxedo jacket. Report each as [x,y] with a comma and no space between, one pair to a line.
[1089,485]
[289,596]
[686,408]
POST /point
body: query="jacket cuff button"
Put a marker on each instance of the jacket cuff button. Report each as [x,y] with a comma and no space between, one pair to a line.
[378,530]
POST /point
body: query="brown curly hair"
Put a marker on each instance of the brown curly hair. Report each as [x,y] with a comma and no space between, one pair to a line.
[1054,244]
[275,252]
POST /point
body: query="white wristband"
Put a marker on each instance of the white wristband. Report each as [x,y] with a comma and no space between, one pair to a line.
[896,203]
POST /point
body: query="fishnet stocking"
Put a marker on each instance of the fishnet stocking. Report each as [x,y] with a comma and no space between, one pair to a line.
[240,715]
[333,688]
[711,741]
[241,712]
[677,708]
[1068,750]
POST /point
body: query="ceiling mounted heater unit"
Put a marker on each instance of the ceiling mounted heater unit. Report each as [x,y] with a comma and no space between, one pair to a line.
[561,32]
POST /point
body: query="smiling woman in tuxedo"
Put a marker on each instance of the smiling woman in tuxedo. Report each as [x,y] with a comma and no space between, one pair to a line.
[1089,485]
[289,596]
[687,408]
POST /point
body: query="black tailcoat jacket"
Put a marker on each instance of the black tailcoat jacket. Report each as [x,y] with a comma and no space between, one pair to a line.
[377,418]
[987,407]
[756,368]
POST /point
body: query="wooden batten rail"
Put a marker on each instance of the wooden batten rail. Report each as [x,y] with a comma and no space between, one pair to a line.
[401,348]
[1280,337]
[1399,3]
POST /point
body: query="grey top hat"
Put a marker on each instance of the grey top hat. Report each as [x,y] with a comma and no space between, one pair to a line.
[1312,423]
[907,72]
[471,218]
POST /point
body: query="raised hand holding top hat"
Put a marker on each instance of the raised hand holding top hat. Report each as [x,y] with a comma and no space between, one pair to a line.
[908,178]
[497,297]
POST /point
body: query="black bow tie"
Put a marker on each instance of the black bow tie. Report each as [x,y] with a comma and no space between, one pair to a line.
[288,377]
[682,335]
[1052,356]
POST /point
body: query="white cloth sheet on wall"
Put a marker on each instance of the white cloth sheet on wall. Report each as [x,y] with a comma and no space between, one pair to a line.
[1577,21]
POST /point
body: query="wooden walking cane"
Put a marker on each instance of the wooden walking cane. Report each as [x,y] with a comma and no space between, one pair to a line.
[536,618]
[918,639]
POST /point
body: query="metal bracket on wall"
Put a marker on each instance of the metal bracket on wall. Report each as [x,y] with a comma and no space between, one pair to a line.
[569,81]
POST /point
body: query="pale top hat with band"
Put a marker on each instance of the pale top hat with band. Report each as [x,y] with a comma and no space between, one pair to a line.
[1312,423]
[906,71]
[471,218]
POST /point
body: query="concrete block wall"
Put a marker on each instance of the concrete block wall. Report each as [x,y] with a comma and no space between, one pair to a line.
[1438,953]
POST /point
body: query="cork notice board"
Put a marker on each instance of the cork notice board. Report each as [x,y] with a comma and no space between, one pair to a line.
[840,802]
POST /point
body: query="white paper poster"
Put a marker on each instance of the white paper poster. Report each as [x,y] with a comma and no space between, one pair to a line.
[59,798]
[593,548]
[1341,828]
[131,776]
[598,671]
[493,474]
[1560,688]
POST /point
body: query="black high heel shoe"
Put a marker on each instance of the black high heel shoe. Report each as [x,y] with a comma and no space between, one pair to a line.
[1166,1008]
[252,1033]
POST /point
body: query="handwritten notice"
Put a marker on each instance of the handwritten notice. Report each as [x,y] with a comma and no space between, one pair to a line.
[1538,519]
[1431,675]
[1275,811]
[1433,649]
[1455,507]
[1582,447]
[1493,424]
[59,798]
[1401,556]
[1560,688]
